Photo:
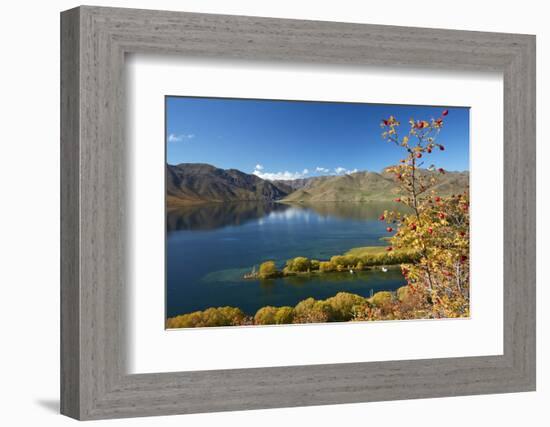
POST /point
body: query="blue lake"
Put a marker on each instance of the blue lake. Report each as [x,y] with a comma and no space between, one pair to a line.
[210,248]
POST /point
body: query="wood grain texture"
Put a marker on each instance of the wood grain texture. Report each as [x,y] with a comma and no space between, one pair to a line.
[70,259]
[94,271]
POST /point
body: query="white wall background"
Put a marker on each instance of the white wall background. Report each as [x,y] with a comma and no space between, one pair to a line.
[29,214]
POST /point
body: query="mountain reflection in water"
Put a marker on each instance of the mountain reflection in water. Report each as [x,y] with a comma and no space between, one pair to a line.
[209,216]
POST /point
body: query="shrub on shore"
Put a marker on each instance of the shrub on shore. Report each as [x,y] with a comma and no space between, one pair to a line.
[326,266]
[214,316]
[311,310]
[270,315]
[382,298]
[299,264]
[267,269]
[284,315]
[344,305]
[404,293]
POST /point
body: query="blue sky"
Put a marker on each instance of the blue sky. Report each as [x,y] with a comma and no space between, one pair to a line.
[293,139]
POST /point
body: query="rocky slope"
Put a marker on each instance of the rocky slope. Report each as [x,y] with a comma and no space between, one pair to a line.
[198,183]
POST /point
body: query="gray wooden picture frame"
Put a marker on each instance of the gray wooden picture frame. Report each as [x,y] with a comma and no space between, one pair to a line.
[94,382]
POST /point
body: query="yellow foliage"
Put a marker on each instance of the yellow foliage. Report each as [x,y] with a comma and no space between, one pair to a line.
[298,264]
[220,316]
[267,269]
[381,298]
[437,230]
[326,266]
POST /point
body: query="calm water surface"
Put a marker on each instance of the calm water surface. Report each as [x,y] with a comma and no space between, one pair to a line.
[210,247]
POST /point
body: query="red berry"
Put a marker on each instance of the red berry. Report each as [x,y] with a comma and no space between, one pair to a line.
[441,215]
[438,199]
[429,150]
[418,155]
[462,234]
[398,200]
[382,218]
[389,229]
[413,227]
[445,112]
[430,230]
[441,170]
[389,249]
[463,259]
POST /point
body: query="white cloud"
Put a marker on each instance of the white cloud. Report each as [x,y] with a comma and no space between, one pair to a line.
[277,176]
[343,171]
[180,137]
[339,170]
[259,171]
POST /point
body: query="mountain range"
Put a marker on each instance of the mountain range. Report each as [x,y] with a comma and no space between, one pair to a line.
[188,183]
[192,183]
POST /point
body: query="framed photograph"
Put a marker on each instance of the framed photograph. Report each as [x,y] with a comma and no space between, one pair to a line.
[262,213]
[293,212]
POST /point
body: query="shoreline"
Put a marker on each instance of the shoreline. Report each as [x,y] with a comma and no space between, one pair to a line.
[325,273]
[400,304]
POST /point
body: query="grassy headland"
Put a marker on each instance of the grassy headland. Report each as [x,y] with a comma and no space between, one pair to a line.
[356,259]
